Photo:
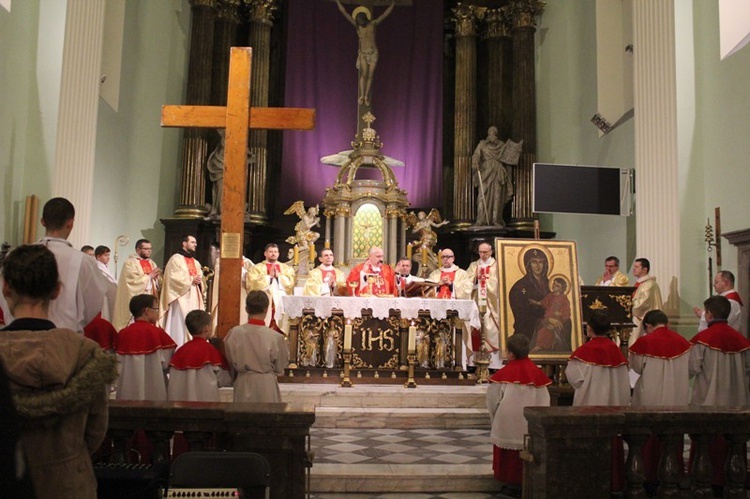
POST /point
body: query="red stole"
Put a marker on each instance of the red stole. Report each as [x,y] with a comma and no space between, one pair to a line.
[734,295]
[146,265]
[190,262]
[446,290]
[637,283]
[328,274]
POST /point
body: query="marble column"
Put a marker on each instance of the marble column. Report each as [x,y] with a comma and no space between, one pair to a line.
[198,92]
[465,113]
[499,69]
[261,20]
[339,241]
[657,223]
[525,13]
[75,143]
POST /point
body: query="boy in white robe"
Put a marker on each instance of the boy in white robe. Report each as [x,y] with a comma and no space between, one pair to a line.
[197,368]
[143,351]
[257,353]
[520,383]
[719,364]
[661,357]
[599,373]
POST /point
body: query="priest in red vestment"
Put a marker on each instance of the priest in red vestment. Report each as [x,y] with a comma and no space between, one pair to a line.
[372,277]
[139,275]
[183,290]
[455,282]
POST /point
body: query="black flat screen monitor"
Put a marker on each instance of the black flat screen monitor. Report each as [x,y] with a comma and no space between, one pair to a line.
[595,190]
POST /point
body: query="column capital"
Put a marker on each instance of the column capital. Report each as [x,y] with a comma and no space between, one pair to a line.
[228,10]
[261,11]
[498,22]
[525,13]
[465,17]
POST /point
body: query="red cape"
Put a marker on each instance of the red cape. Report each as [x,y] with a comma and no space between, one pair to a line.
[720,336]
[195,354]
[522,372]
[661,343]
[141,338]
[600,351]
[102,332]
[734,295]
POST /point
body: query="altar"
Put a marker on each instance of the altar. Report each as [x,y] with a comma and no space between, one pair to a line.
[379,332]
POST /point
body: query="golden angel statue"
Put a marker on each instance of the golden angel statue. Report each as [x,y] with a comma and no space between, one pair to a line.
[304,236]
[422,224]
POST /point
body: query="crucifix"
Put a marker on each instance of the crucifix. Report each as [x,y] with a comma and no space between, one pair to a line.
[236,117]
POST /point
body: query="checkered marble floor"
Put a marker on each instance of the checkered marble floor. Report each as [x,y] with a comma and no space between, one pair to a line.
[403,446]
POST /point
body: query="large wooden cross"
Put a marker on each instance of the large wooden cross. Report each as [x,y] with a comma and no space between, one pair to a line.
[236,117]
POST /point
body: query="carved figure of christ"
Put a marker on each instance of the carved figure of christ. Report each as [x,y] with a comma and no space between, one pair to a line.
[236,117]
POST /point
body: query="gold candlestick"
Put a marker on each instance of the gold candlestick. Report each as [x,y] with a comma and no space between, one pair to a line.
[482,360]
[410,383]
[347,382]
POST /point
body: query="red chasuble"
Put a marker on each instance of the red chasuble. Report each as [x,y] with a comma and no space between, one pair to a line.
[522,372]
[661,343]
[195,354]
[720,336]
[600,351]
[141,338]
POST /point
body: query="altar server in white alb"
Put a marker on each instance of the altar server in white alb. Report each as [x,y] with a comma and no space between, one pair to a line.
[143,351]
[197,368]
[183,290]
[276,279]
[257,353]
[520,383]
[139,275]
[325,279]
[454,282]
[662,358]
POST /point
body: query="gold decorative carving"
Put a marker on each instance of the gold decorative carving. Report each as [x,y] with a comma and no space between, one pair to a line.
[261,11]
[597,305]
[625,301]
[498,22]
[465,18]
[229,10]
[525,13]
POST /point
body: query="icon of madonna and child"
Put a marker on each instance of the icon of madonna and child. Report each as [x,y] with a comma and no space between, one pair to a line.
[544,302]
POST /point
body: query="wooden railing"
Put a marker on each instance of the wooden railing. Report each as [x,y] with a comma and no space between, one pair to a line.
[280,432]
[569,450]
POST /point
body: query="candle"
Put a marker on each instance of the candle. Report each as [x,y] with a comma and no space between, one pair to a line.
[328,244]
[312,254]
[440,256]
[424,255]
[296,255]
[411,348]
[408,251]
[348,338]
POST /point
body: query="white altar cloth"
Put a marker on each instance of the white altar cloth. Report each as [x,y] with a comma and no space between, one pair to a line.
[352,307]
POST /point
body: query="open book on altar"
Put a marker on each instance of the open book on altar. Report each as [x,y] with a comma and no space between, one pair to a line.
[422,288]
